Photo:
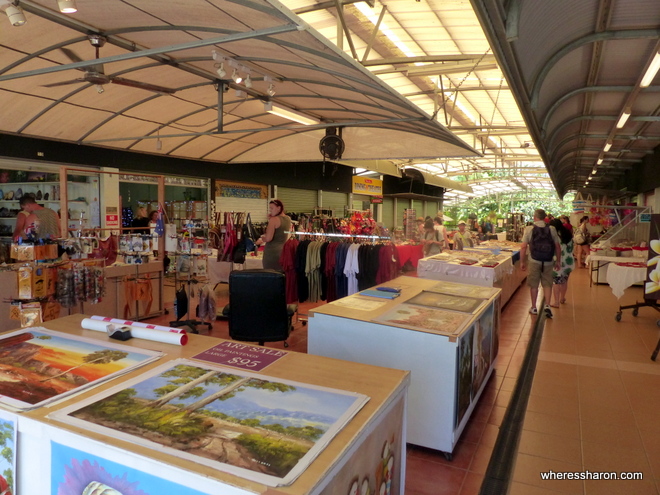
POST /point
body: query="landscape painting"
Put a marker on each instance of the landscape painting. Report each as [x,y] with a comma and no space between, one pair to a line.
[8,454]
[465,290]
[447,301]
[424,318]
[74,472]
[38,366]
[250,425]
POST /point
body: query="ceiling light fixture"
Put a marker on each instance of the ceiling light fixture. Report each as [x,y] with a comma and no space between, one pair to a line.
[607,147]
[651,72]
[599,161]
[290,114]
[271,90]
[236,76]
[624,118]
[240,93]
[15,15]
[221,70]
[67,6]
[248,82]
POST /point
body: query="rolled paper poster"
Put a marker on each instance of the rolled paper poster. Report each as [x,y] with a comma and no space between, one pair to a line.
[138,332]
[117,321]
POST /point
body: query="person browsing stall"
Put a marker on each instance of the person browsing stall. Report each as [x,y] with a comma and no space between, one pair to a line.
[442,232]
[462,238]
[277,233]
[46,221]
[432,241]
[545,254]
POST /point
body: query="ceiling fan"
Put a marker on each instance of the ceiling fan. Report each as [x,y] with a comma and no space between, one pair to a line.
[94,74]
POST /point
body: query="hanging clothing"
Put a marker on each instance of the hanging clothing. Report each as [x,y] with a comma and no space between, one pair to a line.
[331,289]
[288,262]
[340,276]
[351,268]
[301,277]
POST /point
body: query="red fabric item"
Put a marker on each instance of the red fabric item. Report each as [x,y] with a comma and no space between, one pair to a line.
[410,252]
[388,263]
[288,263]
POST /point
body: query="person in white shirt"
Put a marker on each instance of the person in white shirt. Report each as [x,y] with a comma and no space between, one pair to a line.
[442,232]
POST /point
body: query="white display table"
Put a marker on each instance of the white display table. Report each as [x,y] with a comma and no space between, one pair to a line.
[369,448]
[506,276]
[621,277]
[449,369]
[599,266]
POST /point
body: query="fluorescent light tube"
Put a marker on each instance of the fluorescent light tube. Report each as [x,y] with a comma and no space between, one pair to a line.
[290,114]
[607,147]
[599,161]
[623,119]
[651,72]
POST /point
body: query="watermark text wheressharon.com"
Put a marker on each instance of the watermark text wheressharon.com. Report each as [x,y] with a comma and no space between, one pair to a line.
[590,475]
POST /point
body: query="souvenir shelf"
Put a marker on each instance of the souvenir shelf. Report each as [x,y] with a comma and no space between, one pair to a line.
[48,194]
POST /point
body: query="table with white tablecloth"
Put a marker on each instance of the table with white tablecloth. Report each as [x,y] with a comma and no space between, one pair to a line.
[599,265]
[507,275]
[620,277]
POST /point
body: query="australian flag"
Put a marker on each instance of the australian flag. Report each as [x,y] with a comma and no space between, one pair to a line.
[160,222]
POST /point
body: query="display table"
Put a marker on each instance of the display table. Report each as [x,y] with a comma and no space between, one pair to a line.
[620,277]
[369,448]
[449,368]
[599,266]
[506,276]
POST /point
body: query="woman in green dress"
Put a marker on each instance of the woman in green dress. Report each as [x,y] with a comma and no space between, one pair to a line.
[560,278]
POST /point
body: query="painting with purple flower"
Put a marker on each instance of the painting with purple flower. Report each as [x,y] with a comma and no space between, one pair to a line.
[74,472]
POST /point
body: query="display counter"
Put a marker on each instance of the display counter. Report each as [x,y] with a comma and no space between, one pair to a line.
[507,275]
[132,292]
[450,352]
[368,450]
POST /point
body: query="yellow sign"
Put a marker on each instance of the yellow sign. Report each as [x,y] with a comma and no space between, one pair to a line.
[365,185]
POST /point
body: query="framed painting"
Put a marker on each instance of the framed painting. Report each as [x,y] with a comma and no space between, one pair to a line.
[253,426]
[39,366]
[424,318]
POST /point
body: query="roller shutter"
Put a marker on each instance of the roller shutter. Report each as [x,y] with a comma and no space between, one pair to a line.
[336,201]
[388,213]
[298,200]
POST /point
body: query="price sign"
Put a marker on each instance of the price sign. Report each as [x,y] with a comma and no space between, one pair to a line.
[243,356]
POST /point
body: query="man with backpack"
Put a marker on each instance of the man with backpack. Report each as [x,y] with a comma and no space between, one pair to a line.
[545,254]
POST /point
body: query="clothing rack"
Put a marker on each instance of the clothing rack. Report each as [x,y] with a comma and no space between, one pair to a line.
[346,236]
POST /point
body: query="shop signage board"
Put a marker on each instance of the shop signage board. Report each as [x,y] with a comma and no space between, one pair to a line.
[368,186]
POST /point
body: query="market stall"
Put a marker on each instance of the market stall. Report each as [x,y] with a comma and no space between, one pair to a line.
[75,449]
[445,333]
[487,265]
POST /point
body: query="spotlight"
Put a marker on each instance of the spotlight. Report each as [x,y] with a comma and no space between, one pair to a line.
[248,82]
[221,70]
[99,89]
[16,15]
[240,93]
[271,90]
[236,77]
[159,144]
[67,6]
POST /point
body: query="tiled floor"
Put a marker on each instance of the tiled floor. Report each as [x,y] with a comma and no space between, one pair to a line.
[594,404]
